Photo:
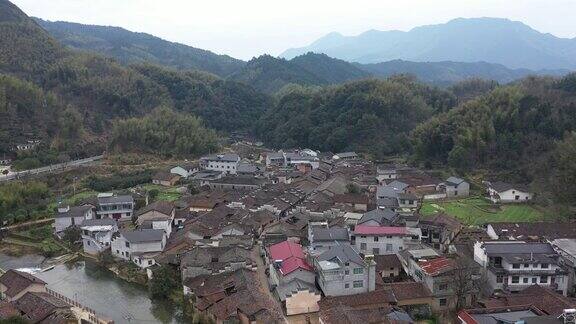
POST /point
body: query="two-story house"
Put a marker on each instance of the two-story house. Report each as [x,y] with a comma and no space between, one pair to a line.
[158,215]
[71,216]
[502,192]
[342,271]
[139,246]
[439,230]
[381,240]
[119,208]
[456,187]
[513,266]
[97,234]
[322,238]
[226,163]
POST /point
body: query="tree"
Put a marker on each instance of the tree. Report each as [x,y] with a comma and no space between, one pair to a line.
[165,280]
[352,188]
[72,235]
[564,179]
[153,194]
[467,282]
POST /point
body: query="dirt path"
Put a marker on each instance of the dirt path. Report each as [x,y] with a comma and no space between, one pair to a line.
[36,222]
[263,284]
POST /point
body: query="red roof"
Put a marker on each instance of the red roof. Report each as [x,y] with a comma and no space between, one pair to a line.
[436,266]
[380,230]
[291,255]
[285,250]
[293,264]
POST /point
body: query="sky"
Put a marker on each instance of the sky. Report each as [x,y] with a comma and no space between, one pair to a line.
[248,28]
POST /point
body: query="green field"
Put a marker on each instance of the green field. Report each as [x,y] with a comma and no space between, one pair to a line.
[165,193]
[477,211]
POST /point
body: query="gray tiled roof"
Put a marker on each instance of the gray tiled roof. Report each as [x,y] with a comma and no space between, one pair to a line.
[330,234]
[382,216]
[145,235]
[454,180]
[222,157]
[75,211]
[344,253]
[518,248]
[123,199]
[98,222]
[288,289]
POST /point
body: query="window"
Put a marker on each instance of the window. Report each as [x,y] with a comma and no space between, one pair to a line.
[543,279]
[443,286]
[358,270]
[358,284]
[127,244]
[499,279]
[388,247]
[149,262]
[117,251]
[526,265]
[515,279]
[544,265]
[442,301]
[87,242]
[534,280]
[347,285]
[346,272]
[376,251]
[525,280]
[363,246]
[375,238]
[515,266]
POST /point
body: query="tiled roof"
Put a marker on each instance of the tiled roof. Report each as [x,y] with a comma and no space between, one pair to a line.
[38,305]
[542,298]
[334,233]
[17,281]
[436,266]
[385,262]
[164,207]
[145,235]
[409,290]
[285,250]
[292,264]
[75,211]
[344,253]
[500,186]
[7,310]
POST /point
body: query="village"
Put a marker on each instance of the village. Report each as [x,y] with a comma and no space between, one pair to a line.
[301,236]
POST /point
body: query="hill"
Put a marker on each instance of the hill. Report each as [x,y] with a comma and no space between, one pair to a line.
[371,116]
[131,47]
[270,74]
[448,73]
[494,40]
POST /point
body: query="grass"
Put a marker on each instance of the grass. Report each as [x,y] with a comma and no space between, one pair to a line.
[165,193]
[478,211]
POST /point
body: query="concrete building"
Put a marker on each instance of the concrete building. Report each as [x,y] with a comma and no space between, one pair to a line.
[97,234]
[456,187]
[342,271]
[502,192]
[513,266]
[140,246]
[115,207]
[227,163]
[71,216]
[382,240]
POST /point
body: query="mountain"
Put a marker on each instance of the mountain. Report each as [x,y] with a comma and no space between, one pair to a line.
[72,99]
[494,40]
[131,47]
[448,73]
[270,74]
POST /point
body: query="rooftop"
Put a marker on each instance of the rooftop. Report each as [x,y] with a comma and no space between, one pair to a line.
[222,157]
[334,233]
[123,199]
[437,266]
[381,230]
[16,281]
[145,235]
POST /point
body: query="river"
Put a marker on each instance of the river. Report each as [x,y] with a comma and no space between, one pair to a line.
[99,289]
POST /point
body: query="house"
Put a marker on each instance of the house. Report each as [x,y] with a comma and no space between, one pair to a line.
[439,230]
[42,307]
[139,246]
[443,276]
[396,197]
[215,260]
[204,177]
[292,278]
[381,240]
[275,159]
[157,215]
[97,234]
[515,265]
[166,179]
[322,238]
[15,284]
[71,216]
[248,169]
[115,207]
[355,202]
[227,163]
[185,170]
[388,266]
[379,217]
[235,183]
[517,314]
[342,271]
[531,231]
[344,156]
[502,192]
[456,187]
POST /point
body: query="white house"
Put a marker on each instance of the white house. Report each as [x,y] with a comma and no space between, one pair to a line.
[158,215]
[227,163]
[71,216]
[184,170]
[456,187]
[383,240]
[97,234]
[502,192]
[140,246]
[115,207]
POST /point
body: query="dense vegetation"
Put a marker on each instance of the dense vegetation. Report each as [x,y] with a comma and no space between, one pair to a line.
[130,47]
[23,201]
[163,132]
[371,116]
[118,181]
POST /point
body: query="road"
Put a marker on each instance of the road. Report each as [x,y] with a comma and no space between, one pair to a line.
[50,169]
[26,224]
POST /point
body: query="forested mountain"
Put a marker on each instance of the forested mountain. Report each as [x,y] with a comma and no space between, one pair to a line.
[131,47]
[519,127]
[447,72]
[63,96]
[372,116]
[493,40]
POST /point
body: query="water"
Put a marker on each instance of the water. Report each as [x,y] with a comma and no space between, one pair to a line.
[99,289]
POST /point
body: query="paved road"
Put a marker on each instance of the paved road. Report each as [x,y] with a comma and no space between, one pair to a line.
[50,169]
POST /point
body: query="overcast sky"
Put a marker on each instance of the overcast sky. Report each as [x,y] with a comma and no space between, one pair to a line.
[247,28]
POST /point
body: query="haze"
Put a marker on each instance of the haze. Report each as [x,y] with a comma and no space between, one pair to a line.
[244,29]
